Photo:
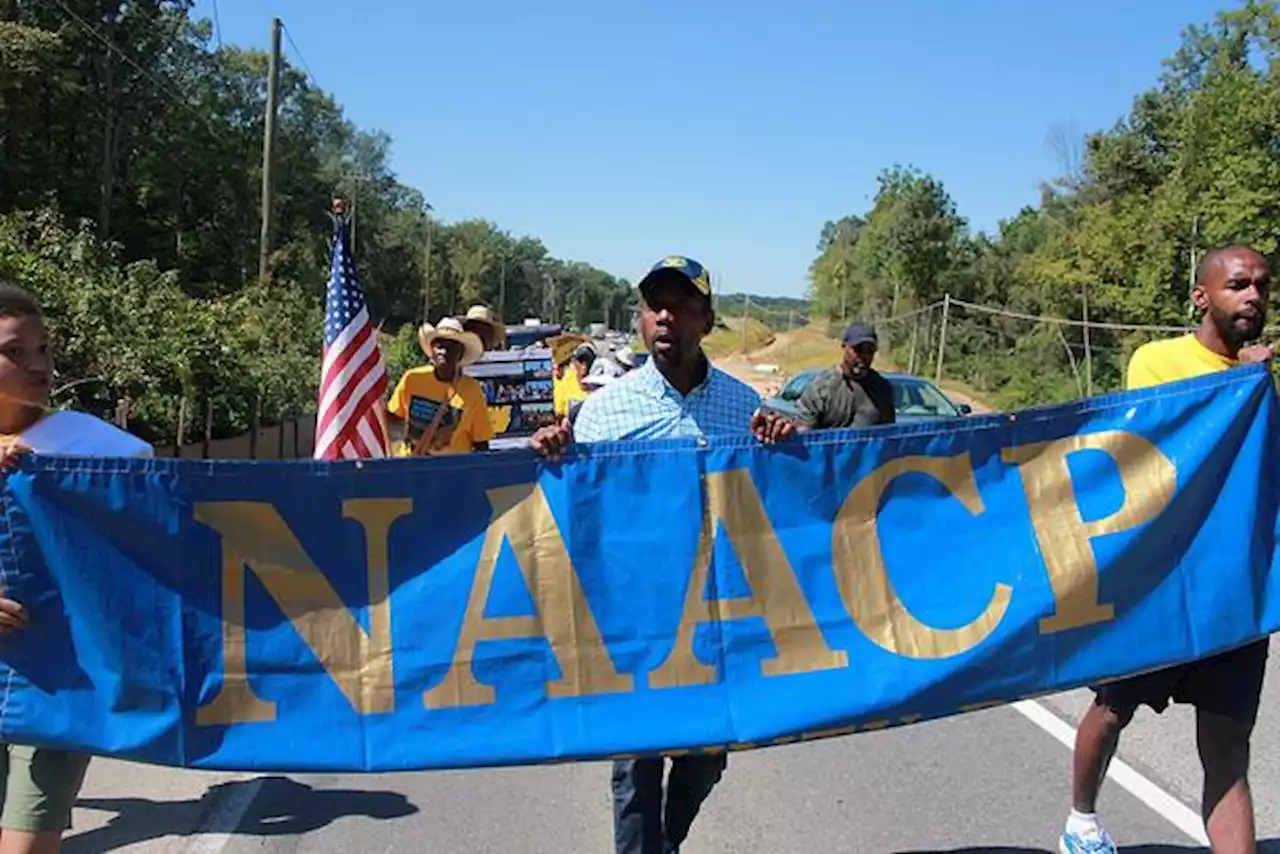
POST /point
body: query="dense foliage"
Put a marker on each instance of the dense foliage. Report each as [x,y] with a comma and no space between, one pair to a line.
[130,170]
[1195,164]
[123,116]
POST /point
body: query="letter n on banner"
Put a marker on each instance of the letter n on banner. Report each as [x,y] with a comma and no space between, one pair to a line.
[254,536]
[776,596]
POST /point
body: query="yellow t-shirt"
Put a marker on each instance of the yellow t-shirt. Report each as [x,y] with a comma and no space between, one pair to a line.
[1171,360]
[499,418]
[566,390]
[418,396]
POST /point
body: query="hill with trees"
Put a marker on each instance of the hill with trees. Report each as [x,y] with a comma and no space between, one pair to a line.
[1114,239]
[130,172]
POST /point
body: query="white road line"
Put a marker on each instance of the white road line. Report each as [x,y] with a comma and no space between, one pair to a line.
[1156,799]
[215,832]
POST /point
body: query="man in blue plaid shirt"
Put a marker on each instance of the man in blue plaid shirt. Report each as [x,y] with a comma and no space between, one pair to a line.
[676,393]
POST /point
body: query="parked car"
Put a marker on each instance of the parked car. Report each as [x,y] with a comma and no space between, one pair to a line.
[914,398]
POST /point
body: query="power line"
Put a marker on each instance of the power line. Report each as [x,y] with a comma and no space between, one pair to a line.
[114,48]
[301,58]
[203,121]
[1091,324]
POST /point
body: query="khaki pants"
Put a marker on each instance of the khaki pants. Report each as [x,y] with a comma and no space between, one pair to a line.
[40,787]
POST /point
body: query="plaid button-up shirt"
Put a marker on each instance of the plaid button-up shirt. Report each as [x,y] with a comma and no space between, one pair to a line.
[643,405]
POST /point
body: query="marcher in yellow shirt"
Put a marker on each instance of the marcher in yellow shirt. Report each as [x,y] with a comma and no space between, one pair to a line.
[573,373]
[444,410]
[1174,359]
[492,332]
[566,380]
[1231,290]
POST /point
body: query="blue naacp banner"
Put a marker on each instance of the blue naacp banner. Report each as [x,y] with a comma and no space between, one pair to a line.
[635,598]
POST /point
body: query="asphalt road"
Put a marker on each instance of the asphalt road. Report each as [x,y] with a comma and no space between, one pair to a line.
[990,781]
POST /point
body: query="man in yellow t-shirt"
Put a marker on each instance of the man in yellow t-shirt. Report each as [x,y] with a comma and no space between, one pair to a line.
[1231,289]
[492,332]
[566,377]
[444,410]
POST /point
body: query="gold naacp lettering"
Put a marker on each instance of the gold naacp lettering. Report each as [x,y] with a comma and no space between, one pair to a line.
[863,578]
[1148,479]
[522,516]
[255,536]
[776,597]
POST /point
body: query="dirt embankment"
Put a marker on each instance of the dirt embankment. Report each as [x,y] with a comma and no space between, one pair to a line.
[804,349]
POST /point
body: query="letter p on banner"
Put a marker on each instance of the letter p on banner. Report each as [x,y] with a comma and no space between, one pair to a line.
[1148,478]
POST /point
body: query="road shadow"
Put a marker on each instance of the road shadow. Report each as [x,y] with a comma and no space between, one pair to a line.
[1013,849]
[281,807]
[1265,846]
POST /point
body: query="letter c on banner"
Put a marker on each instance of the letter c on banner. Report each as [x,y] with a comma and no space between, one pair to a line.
[863,578]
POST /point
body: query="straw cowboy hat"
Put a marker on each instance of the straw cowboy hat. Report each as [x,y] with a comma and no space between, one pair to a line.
[484,314]
[563,346]
[450,329]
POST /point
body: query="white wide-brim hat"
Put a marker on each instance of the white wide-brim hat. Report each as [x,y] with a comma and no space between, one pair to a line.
[626,357]
[450,329]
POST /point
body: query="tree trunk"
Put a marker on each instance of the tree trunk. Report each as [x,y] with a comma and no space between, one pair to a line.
[107,165]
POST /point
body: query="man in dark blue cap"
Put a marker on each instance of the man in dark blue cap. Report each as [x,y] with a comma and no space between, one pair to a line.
[852,394]
[676,393]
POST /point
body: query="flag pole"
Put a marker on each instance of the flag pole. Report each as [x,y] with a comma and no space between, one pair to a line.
[340,215]
[351,416]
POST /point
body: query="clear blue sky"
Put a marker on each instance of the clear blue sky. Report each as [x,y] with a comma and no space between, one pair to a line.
[619,132]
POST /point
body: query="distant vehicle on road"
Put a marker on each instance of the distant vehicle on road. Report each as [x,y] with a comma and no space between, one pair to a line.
[914,398]
[531,334]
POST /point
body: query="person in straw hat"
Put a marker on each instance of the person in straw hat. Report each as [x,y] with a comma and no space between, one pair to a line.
[487,325]
[567,380]
[492,332]
[443,409]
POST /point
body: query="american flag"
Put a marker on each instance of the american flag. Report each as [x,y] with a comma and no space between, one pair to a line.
[353,377]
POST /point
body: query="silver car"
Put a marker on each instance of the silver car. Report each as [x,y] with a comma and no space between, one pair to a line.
[914,398]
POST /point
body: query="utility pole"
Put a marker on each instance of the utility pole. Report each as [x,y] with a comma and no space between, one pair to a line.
[268,151]
[746,318]
[791,326]
[426,274]
[502,290]
[942,338]
[1088,349]
[355,178]
[1195,245]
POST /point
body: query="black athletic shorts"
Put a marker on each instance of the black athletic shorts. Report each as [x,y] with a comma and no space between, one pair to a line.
[1227,684]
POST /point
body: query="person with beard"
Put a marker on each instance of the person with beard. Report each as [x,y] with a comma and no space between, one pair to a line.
[443,409]
[1230,291]
[851,395]
[676,393]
